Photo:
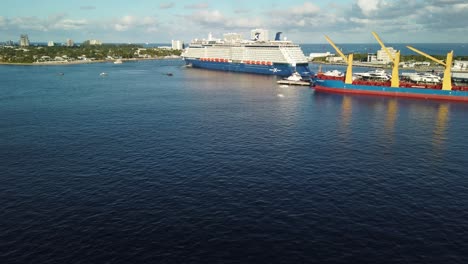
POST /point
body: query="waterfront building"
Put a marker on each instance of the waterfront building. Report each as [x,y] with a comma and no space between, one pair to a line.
[382,56]
[334,59]
[177,45]
[92,42]
[24,40]
[320,55]
[371,57]
[50,43]
[459,65]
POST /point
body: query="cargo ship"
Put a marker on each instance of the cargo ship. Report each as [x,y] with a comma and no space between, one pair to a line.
[427,88]
[256,55]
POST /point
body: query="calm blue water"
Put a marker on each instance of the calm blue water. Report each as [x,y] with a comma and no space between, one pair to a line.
[215,167]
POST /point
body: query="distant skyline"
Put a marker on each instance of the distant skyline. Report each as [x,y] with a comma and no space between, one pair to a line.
[140,21]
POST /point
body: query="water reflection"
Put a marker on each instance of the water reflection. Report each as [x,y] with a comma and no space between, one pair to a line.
[429,119]
[346,111]
[390,119]
[440,127]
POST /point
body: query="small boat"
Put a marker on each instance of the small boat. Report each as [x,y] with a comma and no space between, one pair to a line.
[118,61]
[334,73]
[294,79]
[169,74]
[103,74]
[424,77]
[376,75]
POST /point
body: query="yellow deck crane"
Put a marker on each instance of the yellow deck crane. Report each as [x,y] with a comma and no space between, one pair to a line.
[447,80]
[395,82]
[348,60]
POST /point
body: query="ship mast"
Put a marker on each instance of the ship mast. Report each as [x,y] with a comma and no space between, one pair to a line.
[447,80]
[348,60]
[395,82]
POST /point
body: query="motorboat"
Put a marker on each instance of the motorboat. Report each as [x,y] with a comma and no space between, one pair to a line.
[294,79]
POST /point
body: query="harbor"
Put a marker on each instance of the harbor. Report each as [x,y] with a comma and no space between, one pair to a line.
[237,132]
[121,152]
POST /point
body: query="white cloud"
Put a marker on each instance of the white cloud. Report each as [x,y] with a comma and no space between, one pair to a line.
[206,17]
[28,23]
[368,7]
[131,22]
[304,10]
[55,22]
[70,24]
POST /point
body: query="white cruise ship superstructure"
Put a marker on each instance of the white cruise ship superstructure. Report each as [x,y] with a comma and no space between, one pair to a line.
[256,55]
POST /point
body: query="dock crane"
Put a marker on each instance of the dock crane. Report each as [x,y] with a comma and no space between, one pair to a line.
[447,80]
[395,82]
[348,60]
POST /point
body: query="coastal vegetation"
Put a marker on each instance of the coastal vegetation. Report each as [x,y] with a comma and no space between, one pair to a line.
[34,54]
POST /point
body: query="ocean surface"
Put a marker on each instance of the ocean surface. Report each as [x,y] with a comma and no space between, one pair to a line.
[215,167]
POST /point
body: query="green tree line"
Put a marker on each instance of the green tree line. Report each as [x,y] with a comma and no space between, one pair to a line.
[97,52]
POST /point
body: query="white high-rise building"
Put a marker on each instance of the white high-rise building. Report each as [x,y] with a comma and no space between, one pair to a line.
[70,43]
[95,42]
[383,57]
[177,45]
[50,43]
[24,40]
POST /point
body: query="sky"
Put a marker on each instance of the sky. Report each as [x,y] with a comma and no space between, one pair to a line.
[154,21]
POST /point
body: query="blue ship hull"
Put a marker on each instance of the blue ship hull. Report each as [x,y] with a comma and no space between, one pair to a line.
[274,69]
[338,86]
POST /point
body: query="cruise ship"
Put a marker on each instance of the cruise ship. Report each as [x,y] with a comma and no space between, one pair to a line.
[255,55]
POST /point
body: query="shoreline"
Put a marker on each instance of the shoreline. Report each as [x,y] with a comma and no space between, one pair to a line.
[58,63]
